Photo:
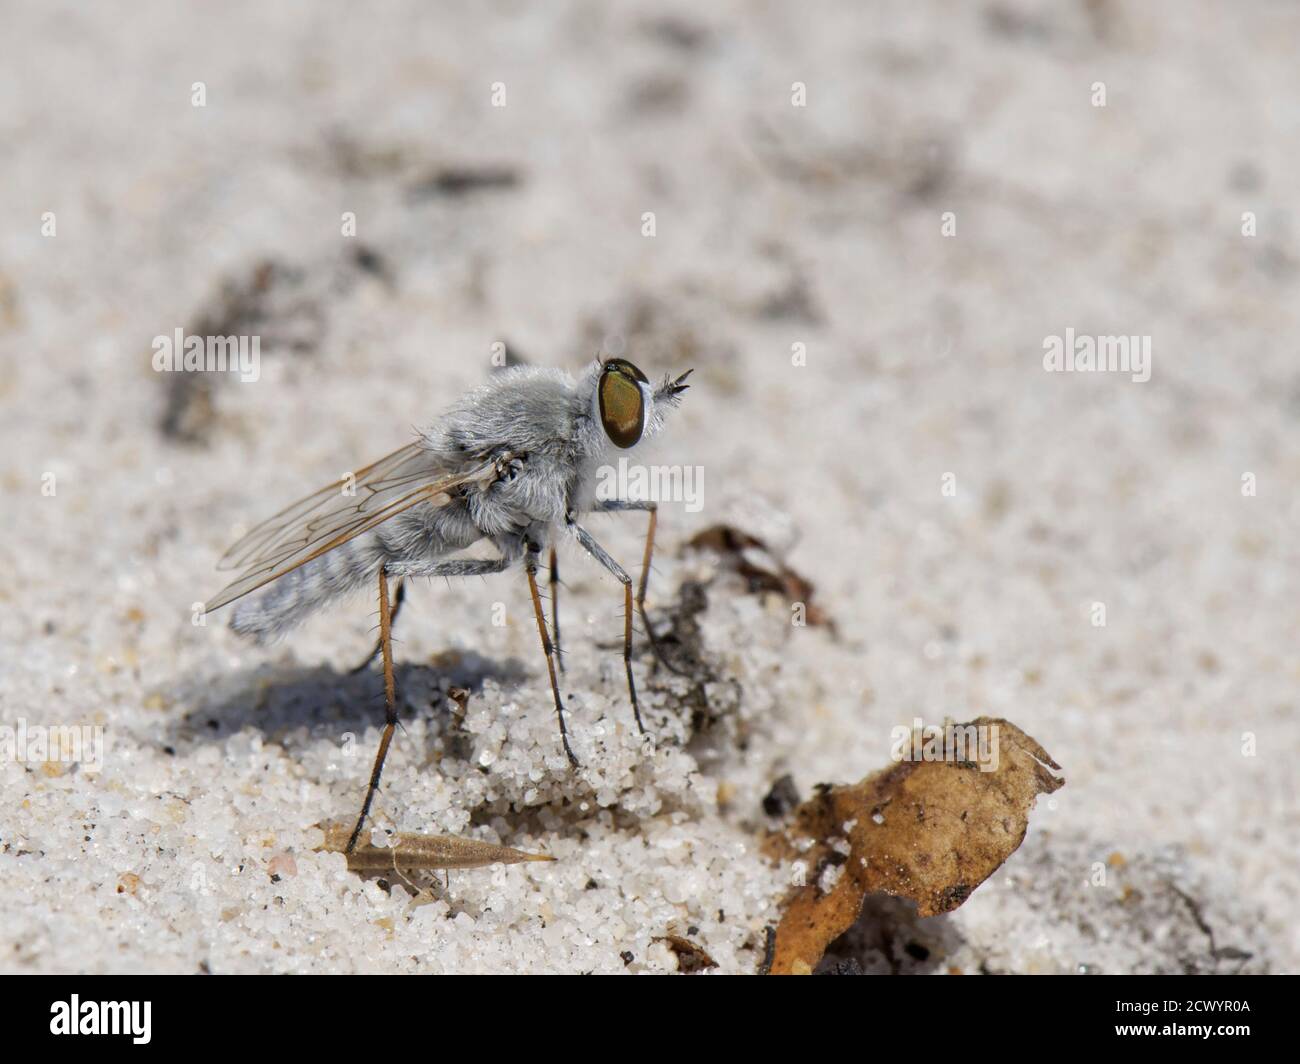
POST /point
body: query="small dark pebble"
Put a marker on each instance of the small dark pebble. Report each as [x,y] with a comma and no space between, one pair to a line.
[370,261]
[783,797]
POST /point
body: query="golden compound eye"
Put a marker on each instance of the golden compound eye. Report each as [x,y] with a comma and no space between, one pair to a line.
[625,366]
[622,405]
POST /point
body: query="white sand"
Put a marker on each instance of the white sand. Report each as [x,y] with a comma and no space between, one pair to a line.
[191,848]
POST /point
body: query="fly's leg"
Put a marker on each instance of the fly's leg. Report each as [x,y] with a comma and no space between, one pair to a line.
[530,567]
[458,567]
[390,704]
[598,552]
[473,567]
[399,596]
[555,608]
[622,506]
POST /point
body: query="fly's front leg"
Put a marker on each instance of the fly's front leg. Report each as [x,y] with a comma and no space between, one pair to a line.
[530,567]
[598,552]
[623,506]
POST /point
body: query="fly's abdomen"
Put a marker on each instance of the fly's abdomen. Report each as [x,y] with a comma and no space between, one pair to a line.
[290,600]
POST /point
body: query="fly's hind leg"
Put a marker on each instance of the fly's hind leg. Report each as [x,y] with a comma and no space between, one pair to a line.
[548,648]
[400,570]
[599,553]
[390,704]
[623,506]
[399,596]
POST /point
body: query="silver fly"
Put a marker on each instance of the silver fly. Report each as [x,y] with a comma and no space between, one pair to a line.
[513,463]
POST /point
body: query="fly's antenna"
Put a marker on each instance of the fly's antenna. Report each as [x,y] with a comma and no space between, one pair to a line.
[670,391]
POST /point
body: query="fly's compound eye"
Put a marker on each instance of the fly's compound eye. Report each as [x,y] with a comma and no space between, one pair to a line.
[622,403]
[622,365]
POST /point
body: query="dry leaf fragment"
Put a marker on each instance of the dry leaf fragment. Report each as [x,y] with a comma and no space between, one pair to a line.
[411,851]
[929,830]
[755,561]
[691,959]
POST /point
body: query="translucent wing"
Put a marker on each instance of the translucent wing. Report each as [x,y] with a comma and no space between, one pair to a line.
[274,530]
[332,516]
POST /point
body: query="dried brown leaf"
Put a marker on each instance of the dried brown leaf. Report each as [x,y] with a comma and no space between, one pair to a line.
[691,959]
[761,569]
[931,831]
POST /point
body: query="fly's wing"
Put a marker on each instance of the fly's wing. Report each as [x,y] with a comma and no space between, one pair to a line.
[275,530]
[332,516]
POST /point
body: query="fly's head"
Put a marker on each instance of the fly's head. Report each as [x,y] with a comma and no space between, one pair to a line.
[629,407]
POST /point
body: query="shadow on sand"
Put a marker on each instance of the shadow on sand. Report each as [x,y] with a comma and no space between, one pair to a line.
[278,699]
